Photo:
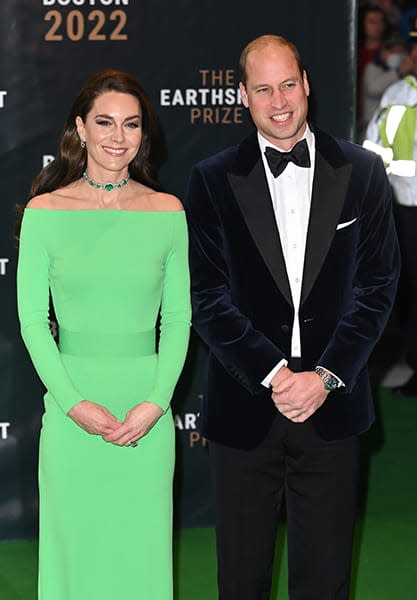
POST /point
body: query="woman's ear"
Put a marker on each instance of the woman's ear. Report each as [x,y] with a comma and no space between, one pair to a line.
[79,123]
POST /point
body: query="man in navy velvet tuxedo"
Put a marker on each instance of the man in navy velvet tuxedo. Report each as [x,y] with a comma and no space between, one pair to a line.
[294,265]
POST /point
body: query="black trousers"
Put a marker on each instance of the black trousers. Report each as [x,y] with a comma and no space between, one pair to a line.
[318,481]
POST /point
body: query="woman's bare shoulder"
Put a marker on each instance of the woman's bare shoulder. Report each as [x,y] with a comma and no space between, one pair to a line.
[167,202]
[145,198]
[158,201]
[64,198]
[43,201]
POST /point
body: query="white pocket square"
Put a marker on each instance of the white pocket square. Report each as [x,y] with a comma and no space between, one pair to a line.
[343,225]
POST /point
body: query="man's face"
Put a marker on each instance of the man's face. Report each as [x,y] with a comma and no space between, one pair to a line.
[373,26]
[276,94]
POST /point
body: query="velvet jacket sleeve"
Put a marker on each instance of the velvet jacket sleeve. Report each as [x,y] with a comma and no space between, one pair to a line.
[374,284]
[245,352]
[33,309]
[175,315]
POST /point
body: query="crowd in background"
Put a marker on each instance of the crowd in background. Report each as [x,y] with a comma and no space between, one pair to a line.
[383,33]
[387,124]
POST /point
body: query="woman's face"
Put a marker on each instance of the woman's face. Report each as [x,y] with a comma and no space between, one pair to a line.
[112,132]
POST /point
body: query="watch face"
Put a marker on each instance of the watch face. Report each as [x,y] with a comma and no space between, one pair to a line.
[330,383]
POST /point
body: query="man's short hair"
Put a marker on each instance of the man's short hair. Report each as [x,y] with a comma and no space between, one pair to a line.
[262,41]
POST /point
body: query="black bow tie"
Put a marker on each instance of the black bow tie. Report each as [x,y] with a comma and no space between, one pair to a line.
[278,161]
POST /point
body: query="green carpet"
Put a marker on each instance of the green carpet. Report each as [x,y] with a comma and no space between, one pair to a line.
[385,561]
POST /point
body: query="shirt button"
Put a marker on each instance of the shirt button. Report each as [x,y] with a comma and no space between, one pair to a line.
[294,245]
[297,280]
[292,211]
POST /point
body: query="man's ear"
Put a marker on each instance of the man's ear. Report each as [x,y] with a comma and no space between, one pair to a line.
[244,95]
[306,85]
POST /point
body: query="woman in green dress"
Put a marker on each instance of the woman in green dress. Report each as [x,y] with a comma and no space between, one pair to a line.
[111,251]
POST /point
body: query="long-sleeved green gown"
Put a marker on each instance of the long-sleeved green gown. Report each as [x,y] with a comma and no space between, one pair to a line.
[105,510]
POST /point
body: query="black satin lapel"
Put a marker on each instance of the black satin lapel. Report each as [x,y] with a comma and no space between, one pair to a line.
[252,195]
[328,196]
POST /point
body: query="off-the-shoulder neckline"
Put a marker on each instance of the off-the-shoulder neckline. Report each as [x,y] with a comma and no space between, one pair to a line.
[102,210]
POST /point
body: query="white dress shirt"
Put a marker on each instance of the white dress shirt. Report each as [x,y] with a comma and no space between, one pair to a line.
[291,199]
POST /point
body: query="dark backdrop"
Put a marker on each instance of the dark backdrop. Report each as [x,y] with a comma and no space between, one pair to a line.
[48,49]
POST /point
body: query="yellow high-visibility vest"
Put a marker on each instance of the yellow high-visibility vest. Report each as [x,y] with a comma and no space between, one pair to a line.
[397,130]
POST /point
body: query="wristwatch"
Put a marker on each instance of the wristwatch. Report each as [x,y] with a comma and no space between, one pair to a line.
[331,383]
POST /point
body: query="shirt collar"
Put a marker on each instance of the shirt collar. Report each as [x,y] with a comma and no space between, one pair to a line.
[308,135]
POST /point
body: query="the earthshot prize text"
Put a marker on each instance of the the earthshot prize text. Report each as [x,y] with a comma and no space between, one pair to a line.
[216,102]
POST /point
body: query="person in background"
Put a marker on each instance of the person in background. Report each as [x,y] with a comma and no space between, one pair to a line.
[391,10]
[388,65]
[294,264]
[407,19]
[372,28]
[112,251]
[392,133]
